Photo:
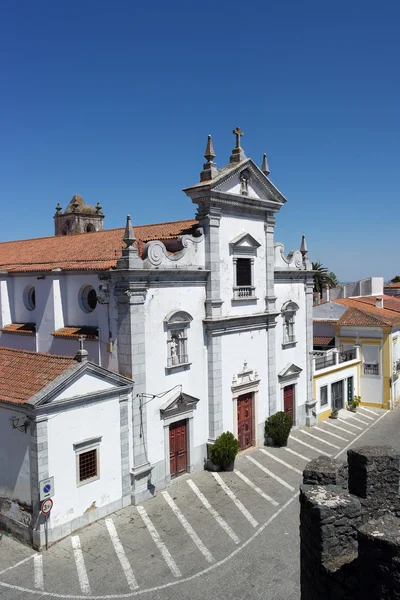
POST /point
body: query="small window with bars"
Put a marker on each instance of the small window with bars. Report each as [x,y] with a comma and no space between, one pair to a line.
[323,394]
[88,466]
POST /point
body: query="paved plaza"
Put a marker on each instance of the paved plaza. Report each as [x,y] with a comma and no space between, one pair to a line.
[232,534]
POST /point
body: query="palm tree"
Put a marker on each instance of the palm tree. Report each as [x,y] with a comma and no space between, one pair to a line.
[395,279]
[323,278]
[335,280]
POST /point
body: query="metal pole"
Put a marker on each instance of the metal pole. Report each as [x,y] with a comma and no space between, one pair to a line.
[46,531]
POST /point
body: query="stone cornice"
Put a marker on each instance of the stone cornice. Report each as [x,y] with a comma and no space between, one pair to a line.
[230,324]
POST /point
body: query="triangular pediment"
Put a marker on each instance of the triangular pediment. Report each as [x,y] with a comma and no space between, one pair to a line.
[179,404]
[290,371]
[244,240]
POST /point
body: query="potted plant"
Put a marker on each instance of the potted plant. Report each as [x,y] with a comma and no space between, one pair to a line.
[223,453]
[277,429]
[334,413]
[354,403]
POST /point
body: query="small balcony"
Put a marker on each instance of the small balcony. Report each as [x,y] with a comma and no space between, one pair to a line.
[324,359]
[244,292]
[176,361]
[370,369]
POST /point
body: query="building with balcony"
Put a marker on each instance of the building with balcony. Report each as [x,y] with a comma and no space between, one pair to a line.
[371,324]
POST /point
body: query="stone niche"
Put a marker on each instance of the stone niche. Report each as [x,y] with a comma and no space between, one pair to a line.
[349,527]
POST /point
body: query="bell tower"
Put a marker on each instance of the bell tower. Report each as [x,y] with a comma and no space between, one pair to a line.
[78,217]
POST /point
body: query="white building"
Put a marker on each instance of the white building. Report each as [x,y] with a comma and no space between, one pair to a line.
[212,322]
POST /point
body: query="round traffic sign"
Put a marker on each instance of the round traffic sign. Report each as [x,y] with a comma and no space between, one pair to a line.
[47,488]
[47,505]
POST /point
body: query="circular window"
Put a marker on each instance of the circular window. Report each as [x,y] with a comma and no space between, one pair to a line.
[88,298]
[30,297]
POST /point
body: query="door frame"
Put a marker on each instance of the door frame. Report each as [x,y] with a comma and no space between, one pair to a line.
[183,416]
[293,385]
[246,382]
[253,420]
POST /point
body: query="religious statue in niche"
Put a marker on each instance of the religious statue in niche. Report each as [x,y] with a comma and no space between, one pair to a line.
[174,351]
[244,183]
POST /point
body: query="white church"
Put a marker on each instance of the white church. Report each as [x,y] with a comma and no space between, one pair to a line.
[205,325]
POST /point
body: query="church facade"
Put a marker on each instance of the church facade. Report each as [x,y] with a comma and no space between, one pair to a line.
[209,317]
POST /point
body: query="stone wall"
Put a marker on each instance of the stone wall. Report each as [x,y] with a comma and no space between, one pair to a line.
[349,527]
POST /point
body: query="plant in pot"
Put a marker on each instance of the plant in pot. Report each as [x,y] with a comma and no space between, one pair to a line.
[277,429]
[354,403]
[334,414]
[223,452]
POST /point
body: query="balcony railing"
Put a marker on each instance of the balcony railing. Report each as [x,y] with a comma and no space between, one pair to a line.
[371,369]
[179,359]
[322,362]
[243,292]
[348,355]
[324,359]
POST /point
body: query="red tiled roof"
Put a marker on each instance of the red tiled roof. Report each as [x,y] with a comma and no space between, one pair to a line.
[25,328]
[322,340]
[85,331]
[392,285]
[389,302]
[24,373]
[369,315]
[84,251]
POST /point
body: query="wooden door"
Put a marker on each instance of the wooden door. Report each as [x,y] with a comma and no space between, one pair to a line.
[337,394]
[178,448]
[245,421]
[288,400]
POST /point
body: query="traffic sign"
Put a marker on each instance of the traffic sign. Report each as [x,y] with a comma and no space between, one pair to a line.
[47,505]
[46,488]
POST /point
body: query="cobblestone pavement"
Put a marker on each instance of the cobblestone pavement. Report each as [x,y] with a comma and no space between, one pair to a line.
[194,528]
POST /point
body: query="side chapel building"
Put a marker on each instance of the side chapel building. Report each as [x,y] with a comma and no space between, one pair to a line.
[208,317]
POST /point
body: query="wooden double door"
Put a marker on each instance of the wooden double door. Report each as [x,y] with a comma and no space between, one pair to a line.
[178,448]
[245,421]
[288,400]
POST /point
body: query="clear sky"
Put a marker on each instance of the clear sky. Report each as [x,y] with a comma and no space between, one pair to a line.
[114,101]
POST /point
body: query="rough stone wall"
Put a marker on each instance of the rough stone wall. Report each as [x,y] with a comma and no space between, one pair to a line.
[349,527]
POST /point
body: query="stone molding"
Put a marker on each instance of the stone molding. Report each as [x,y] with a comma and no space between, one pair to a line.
[156,255]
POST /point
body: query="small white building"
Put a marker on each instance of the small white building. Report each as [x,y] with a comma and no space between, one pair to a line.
[208,317]
[66,419]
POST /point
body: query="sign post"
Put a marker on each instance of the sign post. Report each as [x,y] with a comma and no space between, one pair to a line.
[46,488]
[45,508]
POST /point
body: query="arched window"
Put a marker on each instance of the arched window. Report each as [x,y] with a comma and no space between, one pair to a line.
[177,325]
[90,228]
[88,298]
[30,297]
[288,311]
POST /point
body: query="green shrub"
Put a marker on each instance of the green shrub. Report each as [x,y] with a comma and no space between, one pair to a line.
[224,450]
[278,427]
[356,401]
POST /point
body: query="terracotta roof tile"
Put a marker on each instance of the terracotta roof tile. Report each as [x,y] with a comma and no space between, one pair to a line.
[85,331]
[24,373]
[354,316]
[375,316]
[392,285]
[85,251]
[322,340]
[24,328]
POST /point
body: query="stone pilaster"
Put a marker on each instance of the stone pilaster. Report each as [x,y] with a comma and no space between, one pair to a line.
[270,307]
[39,463]
[310,403]
[131,297]
[124,437]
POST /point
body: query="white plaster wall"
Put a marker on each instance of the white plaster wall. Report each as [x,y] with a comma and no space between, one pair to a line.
[235,349]
[69,347]
[86,384]
[233,186]
[20,314]
[230,228]
[73,426]
[75,315]
[297,355]
[14,458]
[6,301]
[159,303]
[19,341]
[330,378]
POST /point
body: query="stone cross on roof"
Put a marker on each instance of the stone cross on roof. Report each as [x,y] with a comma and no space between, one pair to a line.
[238,134]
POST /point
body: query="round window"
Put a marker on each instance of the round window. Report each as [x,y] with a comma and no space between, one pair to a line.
[88,298]
[30,297]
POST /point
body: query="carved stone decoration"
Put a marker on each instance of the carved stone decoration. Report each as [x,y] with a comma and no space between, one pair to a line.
[245,379]
[155,254]
[294,260]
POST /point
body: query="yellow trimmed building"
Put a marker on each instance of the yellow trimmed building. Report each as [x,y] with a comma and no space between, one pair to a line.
[356,352]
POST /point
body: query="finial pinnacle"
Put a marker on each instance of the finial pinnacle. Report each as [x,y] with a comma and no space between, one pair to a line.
[264,166]
[129,235]
[209,153]
[303,246]
[58,208]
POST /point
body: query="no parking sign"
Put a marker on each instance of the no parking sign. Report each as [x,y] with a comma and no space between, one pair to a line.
[46,488]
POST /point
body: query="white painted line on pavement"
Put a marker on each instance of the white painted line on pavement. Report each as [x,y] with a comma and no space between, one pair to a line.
[319,439]
[282,462]
[367,417]
[234,499]
[326,422]
[361,434]
[309,446]
[38,571]
[297,454]
[158,542]
[369,410]
[256,488]
[21,562]
[188,528]
[120,552]
[268,472]
[359,420]
[213,512]
[335,435]
[344,421]
[80,565]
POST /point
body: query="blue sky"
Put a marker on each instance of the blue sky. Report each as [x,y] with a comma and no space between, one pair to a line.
[114,101]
